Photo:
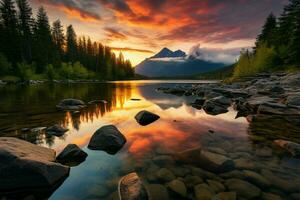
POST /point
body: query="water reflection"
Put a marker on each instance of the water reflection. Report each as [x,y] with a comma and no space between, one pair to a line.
[180,127]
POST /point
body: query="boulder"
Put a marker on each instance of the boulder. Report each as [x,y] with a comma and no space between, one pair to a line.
[216,186]
[198,103]
[205,159]
[72,155]
[165,175]
[254,102]
[145,117]
[107,138]
[203,192]
[56,130]
[231,93]
[291,80]
[178,187]
[293,100]
[243,188]
[256,179]
[131,187]
[216,106]
[291,147]
[70,104]
[26,167]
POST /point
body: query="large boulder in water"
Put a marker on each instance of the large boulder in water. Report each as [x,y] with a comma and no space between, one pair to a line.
[71,155]
[70,104]
[145,117]
[107,138]
[26,168]
[217,105]
[131,187]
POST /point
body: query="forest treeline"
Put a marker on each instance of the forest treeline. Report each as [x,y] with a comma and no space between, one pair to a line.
[31,48]
[277,46]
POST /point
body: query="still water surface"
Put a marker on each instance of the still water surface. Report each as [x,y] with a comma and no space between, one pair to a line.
[180,127]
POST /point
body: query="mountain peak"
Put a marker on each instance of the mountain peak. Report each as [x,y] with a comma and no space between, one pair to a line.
[167,53]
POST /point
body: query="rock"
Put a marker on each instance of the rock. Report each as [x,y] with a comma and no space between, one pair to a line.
[205,159]
[157,192]
[178,187]
[243,188]
[97,102]
[71,104]
[270,196]
[244,163]
[217,105]
[293,100]
[291,80]
[38,129]
[191,180]
[165,175]
[291,147]
[198,103]
[71,155]
[254,102]
[135,99]
[131,187]
[27,167]
[145,117]
[233,174]
[263,152]
[56,130]
[107,138]
[179,171]
[277,109]
[225,196]
[203,192]
[216,186]
[256,179]
[231,93]
[295,196]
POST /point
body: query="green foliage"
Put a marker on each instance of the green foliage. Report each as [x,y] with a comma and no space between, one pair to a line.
[24,71]
[79,71]
[50,73]
[5,66]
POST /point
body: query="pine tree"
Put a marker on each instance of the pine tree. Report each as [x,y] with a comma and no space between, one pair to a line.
[268,34]
[25,25]
[295,44]
[43,48]
[58,38]
[71,50]
[10,38]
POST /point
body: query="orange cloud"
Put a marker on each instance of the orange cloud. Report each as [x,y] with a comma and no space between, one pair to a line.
[131,49]
[78,14]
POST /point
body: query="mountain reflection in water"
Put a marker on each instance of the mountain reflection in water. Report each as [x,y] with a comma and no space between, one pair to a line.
[180,127]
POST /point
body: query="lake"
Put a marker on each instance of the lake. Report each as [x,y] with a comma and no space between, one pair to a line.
[149,148]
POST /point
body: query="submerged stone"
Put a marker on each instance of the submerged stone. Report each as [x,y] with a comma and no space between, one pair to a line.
[243,188]
[71,104]
[157,191]
[131,187]
[291,147]
[178,187]
[56,130]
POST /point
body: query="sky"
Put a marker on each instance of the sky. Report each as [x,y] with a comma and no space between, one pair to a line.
[140,28]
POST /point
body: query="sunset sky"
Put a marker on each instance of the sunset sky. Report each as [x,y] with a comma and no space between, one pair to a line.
[139,28]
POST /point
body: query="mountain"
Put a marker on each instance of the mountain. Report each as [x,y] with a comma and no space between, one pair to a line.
[177,64]
[167,53]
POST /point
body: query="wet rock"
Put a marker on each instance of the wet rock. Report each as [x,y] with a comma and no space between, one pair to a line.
[145,117]
[28,167]
[256,179]
[217,105]
[198,103]
[107,138]
[225,196]
[56,130]
[203,192]
[293,100]
[179,171]
[243,188]
[178,187]
[216,186]
[291,147]
[207,160]
[231,93]
[270,196]
[291,80]
[71,155]
[71,104]
[254,102]
[131,187]
[38,129]
[165,175]
[233,174]
[157,191]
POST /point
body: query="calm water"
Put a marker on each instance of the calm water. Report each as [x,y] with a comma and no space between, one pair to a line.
[180,127]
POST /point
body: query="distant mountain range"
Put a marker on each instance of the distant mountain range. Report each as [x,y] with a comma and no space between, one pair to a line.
[167,63]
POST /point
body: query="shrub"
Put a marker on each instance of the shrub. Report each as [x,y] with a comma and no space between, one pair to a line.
[24,71]
[50,72]
[5,66]
[79,71]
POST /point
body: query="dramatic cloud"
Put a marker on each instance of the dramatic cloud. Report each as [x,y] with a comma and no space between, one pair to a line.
[115,34]
[214,55]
